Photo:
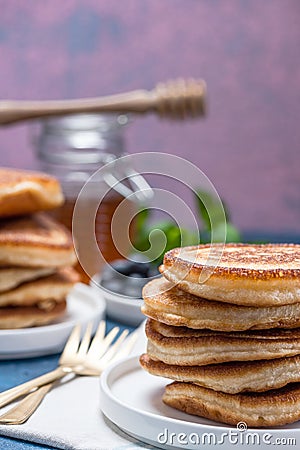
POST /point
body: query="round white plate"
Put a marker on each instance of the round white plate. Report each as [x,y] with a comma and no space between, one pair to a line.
[83,306]
[132,399]
[119,307]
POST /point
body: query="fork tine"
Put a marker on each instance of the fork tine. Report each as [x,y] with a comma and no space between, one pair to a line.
[126,347]
[105,359]
[99,345]
[82,351]
[100,332]
[99,337]
[72,344]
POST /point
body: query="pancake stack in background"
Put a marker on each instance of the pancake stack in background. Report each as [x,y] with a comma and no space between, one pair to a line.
[232,342]
[36,253]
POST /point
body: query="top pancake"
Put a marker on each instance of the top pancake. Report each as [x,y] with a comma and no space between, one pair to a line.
[24,192]
[35,241]
[243,274]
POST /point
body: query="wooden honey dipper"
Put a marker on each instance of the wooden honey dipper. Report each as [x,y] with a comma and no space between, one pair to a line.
[177,99]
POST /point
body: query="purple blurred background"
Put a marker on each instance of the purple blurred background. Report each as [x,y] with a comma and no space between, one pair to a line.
[246,50]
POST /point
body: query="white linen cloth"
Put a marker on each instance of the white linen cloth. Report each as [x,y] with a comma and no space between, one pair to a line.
[70,418]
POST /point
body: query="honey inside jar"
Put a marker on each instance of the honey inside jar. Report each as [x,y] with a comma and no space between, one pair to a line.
[107,248]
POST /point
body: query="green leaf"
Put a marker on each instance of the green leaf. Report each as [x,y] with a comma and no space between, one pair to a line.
[189,237]
[163,236]
[232,234]
[210,209]
[159,237]
[141,219]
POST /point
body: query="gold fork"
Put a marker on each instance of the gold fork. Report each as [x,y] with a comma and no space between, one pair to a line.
[88,358]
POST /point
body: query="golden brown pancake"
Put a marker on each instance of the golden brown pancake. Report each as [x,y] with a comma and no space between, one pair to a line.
[48,289]
[187,347]
[168,304]
[233,377]
[246,274]
[11,277]
[30,316]
[35,241]
[262,409]
[24,192]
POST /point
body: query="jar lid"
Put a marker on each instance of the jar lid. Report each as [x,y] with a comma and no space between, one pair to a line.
[82,139]
[84,122]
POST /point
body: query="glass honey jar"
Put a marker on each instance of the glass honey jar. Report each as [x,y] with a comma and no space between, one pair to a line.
[72,148]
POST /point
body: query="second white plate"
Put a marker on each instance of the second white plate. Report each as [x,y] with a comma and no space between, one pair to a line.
[84,305]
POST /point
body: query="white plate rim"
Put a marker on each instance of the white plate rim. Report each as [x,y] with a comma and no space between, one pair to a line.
[81,294]
[120,308]
[131,363]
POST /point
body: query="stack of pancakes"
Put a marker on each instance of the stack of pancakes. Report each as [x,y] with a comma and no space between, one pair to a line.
[228,332]
[36,253]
